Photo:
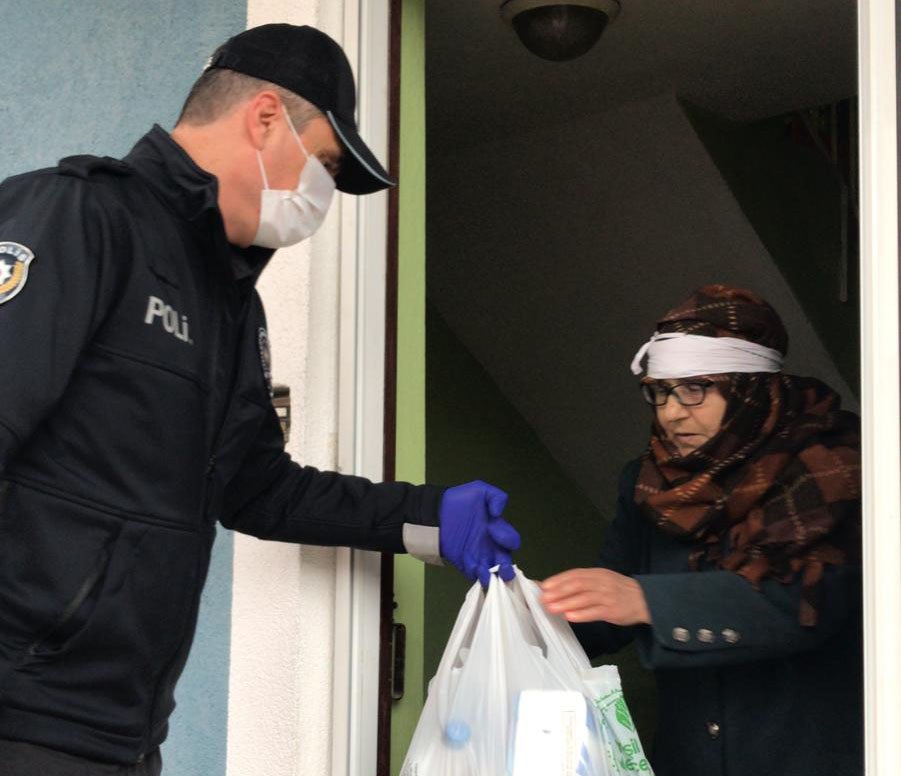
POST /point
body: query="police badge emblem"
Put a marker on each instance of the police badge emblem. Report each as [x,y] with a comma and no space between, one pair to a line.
[14,261]
[265,358]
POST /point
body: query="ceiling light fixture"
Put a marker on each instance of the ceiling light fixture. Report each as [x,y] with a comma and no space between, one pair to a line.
[559,29]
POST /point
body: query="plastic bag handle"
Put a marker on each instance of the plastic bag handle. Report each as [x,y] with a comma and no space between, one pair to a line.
[562,644]
[461,635]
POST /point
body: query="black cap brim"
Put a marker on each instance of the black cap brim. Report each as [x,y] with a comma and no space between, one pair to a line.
[361,172]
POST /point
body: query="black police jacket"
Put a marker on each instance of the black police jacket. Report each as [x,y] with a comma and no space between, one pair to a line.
[135,412]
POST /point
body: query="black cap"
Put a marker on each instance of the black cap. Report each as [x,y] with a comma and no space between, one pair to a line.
[309,63]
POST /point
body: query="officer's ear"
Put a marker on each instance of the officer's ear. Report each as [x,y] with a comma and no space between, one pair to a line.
[263,115]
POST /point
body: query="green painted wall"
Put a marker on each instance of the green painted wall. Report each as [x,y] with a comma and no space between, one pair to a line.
[409,573]
[474,432]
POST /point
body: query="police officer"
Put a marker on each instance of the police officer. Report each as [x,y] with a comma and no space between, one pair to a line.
[135,403]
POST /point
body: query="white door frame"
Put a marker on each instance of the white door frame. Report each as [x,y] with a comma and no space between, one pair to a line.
[361,385]
[879,385]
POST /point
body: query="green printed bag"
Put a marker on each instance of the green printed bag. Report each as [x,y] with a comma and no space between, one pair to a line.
[624,752]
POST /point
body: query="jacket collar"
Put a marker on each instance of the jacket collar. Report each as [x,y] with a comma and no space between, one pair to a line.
[174,177]
[192,193]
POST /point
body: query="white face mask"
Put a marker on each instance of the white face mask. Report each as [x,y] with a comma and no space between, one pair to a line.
[287,217]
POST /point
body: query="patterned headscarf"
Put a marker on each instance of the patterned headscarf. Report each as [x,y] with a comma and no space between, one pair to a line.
[776,493]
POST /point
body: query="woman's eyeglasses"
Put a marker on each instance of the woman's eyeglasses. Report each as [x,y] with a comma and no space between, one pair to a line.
[688,394]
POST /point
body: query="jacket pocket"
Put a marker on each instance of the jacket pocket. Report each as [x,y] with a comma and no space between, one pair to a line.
[58,635]
[101,666]
[53,554]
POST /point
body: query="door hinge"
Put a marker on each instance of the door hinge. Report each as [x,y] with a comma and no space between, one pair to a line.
[398,659]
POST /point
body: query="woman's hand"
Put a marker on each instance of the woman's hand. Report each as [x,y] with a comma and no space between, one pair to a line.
[586,595]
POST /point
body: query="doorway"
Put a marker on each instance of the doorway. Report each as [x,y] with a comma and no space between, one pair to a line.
[571,204]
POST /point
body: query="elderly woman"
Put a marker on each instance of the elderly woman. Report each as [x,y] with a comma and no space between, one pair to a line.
[732,560]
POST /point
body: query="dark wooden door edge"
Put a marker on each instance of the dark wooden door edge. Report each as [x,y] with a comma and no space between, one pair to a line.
[383,758]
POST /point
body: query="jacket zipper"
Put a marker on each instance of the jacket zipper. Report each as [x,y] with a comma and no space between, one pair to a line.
[207,499]
[208,483]
[74,605]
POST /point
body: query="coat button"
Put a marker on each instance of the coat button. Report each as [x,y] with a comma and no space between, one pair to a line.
[713,729]
[705,636]
[681,634]
[731,636]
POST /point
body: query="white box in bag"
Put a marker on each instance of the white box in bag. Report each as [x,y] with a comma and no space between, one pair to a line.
[549,733]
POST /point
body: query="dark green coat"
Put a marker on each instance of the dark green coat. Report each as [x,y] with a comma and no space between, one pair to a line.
[744,689]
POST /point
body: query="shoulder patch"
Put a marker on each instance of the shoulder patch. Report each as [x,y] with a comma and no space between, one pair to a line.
[14,261]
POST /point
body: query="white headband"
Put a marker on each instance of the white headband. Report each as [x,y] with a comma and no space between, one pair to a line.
[676,355]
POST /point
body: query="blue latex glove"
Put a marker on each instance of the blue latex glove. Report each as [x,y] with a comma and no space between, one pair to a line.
[474,536]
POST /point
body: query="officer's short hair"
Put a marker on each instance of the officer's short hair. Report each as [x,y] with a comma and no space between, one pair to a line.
[218,90]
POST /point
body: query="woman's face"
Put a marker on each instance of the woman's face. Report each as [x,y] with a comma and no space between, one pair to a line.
[688,428]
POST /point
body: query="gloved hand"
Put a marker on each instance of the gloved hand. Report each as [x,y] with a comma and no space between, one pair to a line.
[474,536]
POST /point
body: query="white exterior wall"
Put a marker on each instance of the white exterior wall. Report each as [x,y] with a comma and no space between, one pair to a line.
[280,710]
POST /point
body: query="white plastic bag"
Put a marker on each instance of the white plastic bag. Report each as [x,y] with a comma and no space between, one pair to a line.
[515,695]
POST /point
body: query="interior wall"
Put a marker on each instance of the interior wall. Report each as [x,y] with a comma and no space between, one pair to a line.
[564,220]
[474,432]
[552,254]
[794,197]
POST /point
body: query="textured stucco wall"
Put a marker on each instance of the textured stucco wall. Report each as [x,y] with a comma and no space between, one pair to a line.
[85,76]
[88,76]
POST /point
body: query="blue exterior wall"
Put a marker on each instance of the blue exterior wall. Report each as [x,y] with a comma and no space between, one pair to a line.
[91,76]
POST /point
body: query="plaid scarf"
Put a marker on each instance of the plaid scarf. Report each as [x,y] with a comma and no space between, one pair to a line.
[776,493]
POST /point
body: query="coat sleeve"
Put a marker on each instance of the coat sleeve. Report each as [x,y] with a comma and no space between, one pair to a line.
[49,307]
[621,552]
[718,618]
[273,497]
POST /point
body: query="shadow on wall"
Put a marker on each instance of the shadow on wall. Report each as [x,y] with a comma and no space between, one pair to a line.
[474,432]
[553,270]
[793,177]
